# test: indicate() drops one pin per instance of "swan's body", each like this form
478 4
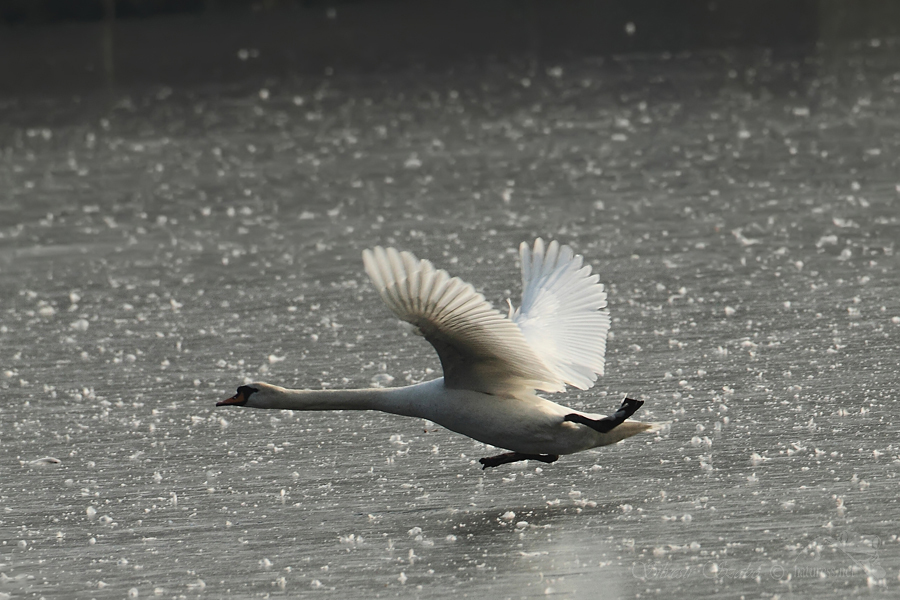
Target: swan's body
492 364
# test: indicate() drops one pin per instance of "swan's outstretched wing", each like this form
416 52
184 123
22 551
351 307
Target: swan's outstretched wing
479 348
563 314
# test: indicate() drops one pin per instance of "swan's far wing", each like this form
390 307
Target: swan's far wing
563 314
479 348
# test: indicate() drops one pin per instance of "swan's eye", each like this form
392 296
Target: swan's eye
245 391
240 399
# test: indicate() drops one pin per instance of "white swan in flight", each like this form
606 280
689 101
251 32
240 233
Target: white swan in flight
493 364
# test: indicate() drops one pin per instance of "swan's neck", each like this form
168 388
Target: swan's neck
398 401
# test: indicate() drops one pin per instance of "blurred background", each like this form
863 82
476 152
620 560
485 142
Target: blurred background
84 44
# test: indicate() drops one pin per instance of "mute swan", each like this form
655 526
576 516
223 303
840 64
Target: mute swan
493 364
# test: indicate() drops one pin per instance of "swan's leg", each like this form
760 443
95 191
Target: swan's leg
509 457
607 424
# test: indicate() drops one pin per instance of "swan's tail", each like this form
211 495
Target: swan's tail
628 429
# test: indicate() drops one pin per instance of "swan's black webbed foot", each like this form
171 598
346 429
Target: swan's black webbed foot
607 424
510 457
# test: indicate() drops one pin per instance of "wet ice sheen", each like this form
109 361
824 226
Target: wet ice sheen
184 242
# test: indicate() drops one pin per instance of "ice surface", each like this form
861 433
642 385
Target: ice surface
160 252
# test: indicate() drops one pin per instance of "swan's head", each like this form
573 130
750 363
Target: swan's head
254 395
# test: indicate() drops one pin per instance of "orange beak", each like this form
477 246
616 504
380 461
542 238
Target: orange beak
237 400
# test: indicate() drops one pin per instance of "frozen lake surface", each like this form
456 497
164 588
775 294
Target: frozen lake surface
161 248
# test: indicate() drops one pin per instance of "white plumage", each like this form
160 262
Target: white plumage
492 363
563 313
479 348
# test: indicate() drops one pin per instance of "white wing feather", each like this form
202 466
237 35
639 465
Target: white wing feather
563 314
479 348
